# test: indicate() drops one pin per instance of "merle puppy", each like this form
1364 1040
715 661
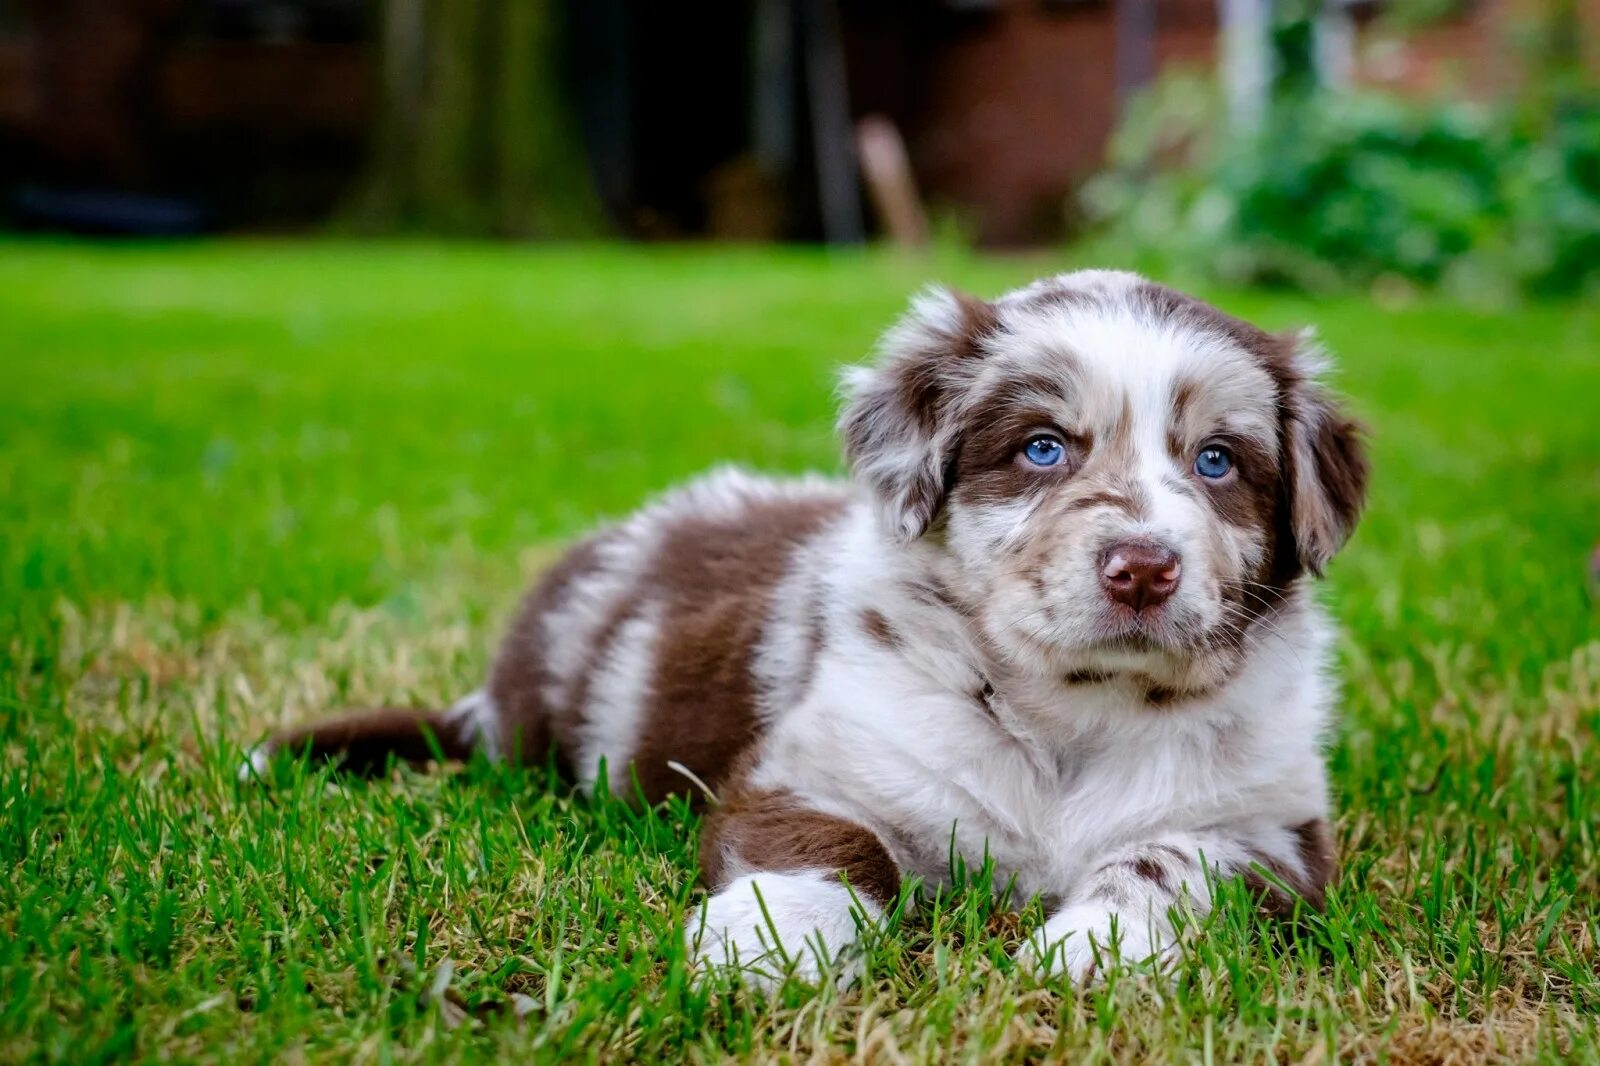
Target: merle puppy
1061 615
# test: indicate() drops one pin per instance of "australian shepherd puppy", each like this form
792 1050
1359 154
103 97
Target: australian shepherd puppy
1060 616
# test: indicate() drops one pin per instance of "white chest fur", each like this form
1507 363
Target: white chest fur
1042 783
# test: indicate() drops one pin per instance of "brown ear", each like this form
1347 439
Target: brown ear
899 437
1325 465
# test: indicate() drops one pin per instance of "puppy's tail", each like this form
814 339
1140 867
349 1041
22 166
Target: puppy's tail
368 742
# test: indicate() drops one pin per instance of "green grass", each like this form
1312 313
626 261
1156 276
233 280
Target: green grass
242 485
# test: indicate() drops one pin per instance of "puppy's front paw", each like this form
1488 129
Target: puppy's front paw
768 924
1080 941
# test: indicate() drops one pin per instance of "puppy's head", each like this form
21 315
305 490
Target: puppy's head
1122 480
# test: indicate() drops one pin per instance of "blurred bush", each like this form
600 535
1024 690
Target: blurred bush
1339 189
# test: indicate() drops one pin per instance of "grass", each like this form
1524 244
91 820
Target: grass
241 485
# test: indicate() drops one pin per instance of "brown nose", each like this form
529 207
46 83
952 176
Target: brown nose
1140 574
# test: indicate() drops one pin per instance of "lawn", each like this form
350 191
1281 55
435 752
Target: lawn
245 484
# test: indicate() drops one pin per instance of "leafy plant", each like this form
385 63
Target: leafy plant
1341 189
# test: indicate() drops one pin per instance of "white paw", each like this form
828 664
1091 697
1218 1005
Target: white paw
807 926
1081 941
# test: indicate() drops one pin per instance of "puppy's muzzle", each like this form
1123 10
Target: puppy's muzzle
1140 574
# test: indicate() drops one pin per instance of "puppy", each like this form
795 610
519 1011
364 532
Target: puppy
1060 616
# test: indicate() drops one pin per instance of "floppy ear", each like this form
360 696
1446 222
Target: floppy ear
899 436
1325 462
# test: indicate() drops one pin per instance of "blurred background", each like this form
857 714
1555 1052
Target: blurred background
1390 143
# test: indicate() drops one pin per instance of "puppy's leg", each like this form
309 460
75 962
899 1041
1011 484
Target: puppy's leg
1123 909
790 886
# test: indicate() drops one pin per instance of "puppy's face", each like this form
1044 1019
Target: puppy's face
1125 481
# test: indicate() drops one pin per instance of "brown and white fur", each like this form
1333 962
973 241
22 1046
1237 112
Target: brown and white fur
934 654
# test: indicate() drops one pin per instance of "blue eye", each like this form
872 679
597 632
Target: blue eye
1044 451
1213 463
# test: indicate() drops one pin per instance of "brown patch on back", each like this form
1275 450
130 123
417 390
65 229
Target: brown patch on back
531 727
714 578
768 830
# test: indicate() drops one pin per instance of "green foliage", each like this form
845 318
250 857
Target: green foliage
243 484
1292 50
1340 189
